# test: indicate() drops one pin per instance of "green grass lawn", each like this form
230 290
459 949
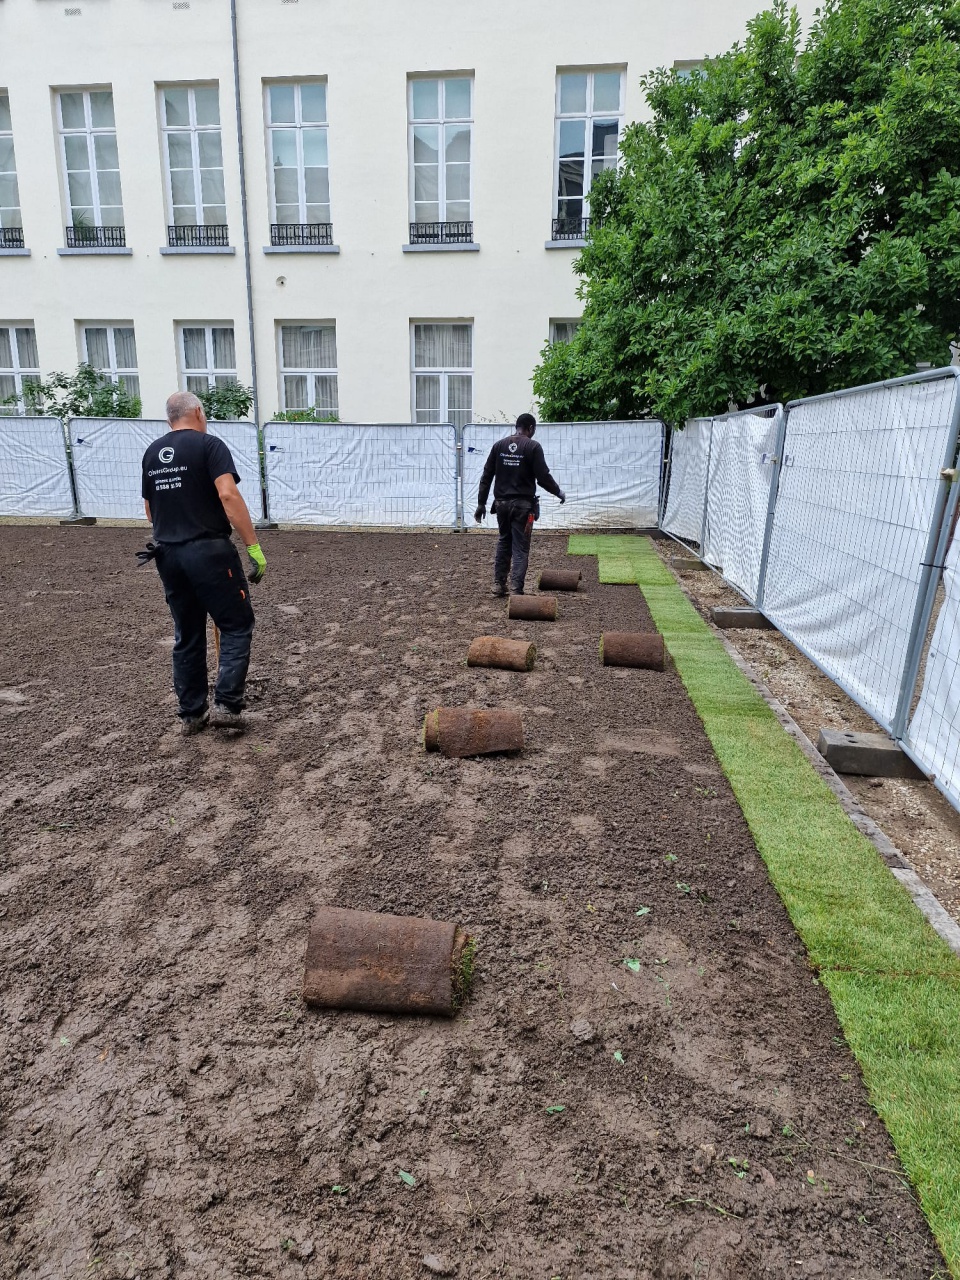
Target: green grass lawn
895 984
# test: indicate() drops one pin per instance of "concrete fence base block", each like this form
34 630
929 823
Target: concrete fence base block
80 520
872 755
688 564
740 617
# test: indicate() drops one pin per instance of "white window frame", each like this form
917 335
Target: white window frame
576 321
90 132
11 215
211 373
18 371
444 373
588 116
114 372
193 129
441 123
298 125
309 374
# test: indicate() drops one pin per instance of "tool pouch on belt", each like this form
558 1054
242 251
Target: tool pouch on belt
536 507
493 507
144 557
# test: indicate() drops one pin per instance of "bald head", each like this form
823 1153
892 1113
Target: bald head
184 411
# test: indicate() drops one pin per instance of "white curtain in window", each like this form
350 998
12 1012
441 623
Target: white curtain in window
309 346
6 351
98 350
126 347
325 392
224 349
194 350
27 348
443 346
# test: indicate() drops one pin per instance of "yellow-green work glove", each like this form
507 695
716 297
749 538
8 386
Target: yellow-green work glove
258 561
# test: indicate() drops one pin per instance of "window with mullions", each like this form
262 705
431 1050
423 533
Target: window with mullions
208 357
91 166
11 232
308 367
19 365
589 116
297 138
441 113
563 330
112 350
193 158
443 373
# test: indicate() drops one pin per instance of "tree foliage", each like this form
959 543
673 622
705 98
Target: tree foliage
788 221
227 402
84 394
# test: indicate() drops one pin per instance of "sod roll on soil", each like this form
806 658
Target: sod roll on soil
463 731
392 964
632 649
559 580
511 655
532 608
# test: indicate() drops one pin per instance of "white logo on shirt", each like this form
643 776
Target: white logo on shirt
166 454
513 447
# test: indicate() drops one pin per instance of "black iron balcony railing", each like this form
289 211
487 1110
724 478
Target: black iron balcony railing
570 228
11 237
441 233
289 233
96 237
210 237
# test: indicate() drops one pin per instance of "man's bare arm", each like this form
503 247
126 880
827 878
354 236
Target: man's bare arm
146 507
236 508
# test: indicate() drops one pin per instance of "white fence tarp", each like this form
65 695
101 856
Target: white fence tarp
609 471
34 474
742 462
934 731
856 501
689 451
107 453
391 476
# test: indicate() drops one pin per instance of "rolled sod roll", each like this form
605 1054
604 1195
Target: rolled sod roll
532 608
632 649
463 731
491 651
393 964
559 580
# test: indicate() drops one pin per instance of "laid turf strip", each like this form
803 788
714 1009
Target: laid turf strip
895 984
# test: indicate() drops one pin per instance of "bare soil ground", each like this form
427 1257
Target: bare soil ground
169 1108
912 812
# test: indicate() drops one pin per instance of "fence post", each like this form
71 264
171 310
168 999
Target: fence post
706 494
666 462
777 465
458 478
77 517
940 529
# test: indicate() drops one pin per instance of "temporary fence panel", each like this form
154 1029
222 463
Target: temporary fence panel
858 496
609 471
386 475
933 735
107 455
34 472
742 464
683 513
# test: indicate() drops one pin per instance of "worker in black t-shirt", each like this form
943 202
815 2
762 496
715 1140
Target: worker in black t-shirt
515 466
191 497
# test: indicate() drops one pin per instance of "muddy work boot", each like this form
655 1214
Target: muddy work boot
500 589
190 725
221 718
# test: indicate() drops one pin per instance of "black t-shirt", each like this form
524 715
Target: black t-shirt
179 471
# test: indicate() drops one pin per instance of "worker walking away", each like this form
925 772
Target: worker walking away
191 497
515 466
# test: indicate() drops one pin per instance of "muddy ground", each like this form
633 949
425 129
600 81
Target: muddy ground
169 1108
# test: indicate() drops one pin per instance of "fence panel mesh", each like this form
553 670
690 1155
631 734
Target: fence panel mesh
687 483
386 475
857 499
933 734
107 453
609 471
742 464
34 472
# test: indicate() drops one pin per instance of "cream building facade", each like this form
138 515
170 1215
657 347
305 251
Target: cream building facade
414 147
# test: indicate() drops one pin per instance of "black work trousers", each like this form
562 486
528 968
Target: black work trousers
204 577
513 546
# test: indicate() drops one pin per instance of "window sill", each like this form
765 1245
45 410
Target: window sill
564 244
14 253
301 248
472 247
170 251
94 251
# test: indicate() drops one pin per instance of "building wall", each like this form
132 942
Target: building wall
510 289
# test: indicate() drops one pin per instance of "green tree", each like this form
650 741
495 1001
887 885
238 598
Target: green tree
84 394
787 222
224 403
